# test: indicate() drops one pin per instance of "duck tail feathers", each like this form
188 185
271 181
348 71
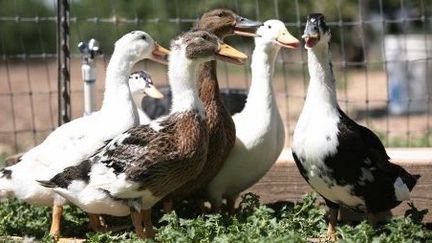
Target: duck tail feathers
47 184
411 180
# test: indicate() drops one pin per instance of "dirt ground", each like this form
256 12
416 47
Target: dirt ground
28 99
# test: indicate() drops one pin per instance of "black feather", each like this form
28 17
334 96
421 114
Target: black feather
69 174
47 184
5 173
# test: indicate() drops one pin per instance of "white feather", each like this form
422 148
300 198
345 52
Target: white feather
401 190
315 135
113 193
75 141
259 127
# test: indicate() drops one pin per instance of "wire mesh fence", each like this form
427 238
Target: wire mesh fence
381 54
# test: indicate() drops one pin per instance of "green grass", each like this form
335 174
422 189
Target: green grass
253 222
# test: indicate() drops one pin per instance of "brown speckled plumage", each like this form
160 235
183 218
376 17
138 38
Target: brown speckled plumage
159 161
221 128
150 161
220 22
172 156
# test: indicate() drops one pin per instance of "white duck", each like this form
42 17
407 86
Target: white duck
144 164
75 141
259 127
141 84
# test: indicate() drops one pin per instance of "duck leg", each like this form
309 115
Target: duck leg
97 223
167 204
372 218
231 204
333 216
201 205
331 229
56 221
137 223
215 206
148 224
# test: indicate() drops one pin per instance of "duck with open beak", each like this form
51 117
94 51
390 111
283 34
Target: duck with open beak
245 27
315 30
285 39
222 23
229 54
159 54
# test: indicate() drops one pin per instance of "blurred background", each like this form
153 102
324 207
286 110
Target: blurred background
381 50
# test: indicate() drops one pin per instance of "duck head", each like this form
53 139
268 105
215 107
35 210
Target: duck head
139 45
274 33
141 82
224 22
316 31
201 46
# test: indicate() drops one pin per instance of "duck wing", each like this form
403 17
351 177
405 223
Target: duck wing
362 141
69 143
363 147
160 160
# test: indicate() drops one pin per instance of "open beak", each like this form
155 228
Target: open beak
311 35
229 54
285 39
159 54
246 27
311 39
153 92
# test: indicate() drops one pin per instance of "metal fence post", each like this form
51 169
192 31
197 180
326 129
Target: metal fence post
63 62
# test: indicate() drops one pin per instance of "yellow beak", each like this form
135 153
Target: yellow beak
230 54
153 92
159 54
285 39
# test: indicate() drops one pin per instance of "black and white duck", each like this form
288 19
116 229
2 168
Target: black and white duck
344 162
141 85
144 164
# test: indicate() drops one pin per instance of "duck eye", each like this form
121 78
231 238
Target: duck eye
269 26
205 37
220 14
144 37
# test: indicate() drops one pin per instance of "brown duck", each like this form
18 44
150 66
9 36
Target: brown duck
144 164
221 129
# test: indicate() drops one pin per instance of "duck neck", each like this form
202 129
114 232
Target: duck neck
321 89
117 94
182 79
261 90
137 98
208 83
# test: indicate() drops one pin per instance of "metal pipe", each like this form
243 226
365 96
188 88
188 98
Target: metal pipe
89 50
